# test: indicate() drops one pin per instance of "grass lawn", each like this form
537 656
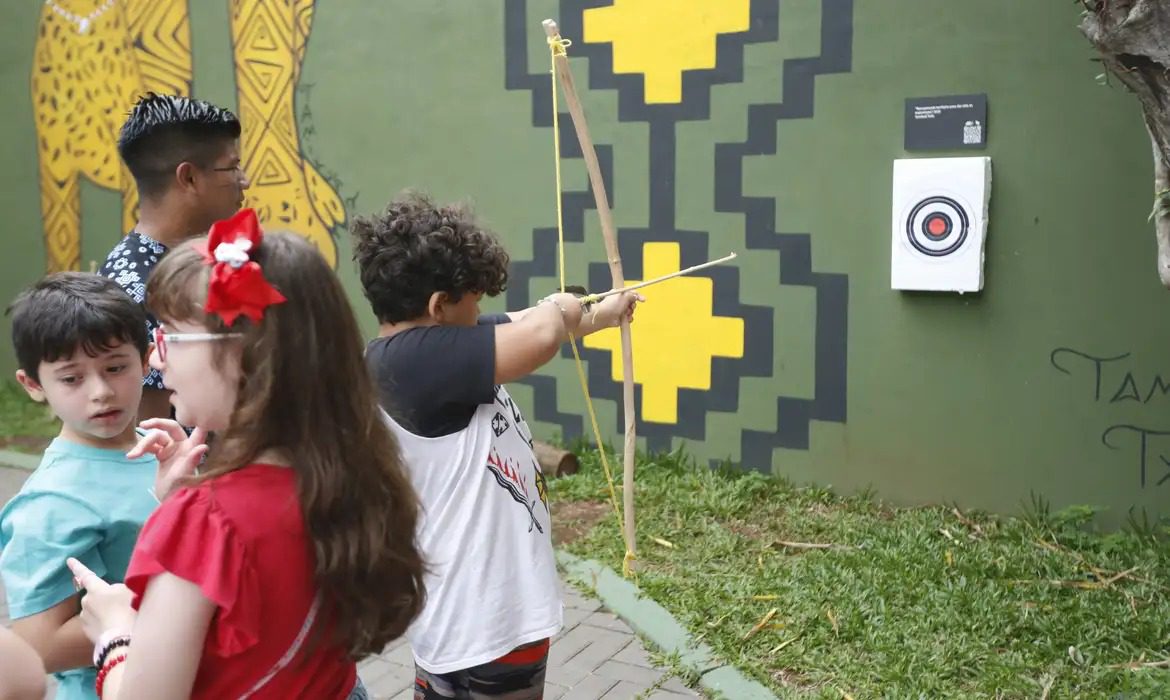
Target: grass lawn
25 426
819 596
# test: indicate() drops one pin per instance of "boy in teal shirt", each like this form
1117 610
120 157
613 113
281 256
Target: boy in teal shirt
81 346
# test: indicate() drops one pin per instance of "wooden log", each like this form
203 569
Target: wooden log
554 461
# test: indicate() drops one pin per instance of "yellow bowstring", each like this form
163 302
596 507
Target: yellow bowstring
557 47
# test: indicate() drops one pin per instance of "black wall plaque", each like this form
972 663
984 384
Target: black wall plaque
949 122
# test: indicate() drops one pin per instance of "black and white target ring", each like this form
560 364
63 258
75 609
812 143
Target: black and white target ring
937 226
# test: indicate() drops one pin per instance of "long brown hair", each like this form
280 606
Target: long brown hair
305 391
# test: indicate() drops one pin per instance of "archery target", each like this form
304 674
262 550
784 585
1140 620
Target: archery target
938 232
937 225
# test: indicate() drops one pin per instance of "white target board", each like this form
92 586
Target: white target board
939 223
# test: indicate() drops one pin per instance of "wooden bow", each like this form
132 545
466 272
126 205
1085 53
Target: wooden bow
565 77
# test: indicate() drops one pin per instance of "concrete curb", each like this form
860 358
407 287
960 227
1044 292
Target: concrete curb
652 622
19 460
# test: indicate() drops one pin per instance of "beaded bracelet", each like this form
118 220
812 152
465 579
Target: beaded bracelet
122 641
102 674
104 641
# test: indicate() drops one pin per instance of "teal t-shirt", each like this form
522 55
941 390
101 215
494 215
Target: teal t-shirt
81 502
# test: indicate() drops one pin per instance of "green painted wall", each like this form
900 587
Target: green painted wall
925 397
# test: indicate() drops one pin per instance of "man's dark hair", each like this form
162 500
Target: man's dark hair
415 248
65 310
163 131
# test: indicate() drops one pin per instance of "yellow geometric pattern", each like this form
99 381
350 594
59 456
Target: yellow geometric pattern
84 81
674 337
662 38
287 191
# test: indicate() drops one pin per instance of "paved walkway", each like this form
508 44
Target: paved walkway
596 656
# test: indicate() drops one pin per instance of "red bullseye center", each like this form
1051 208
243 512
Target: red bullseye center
936 225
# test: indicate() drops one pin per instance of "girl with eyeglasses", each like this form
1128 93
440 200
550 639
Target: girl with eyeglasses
292 553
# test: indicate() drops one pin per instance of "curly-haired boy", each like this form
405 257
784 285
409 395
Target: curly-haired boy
492 594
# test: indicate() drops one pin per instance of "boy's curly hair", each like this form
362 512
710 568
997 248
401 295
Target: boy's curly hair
416 248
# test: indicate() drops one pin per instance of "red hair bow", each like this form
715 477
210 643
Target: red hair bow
237 285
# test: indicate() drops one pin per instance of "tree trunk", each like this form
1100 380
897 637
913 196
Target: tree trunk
1133 38
1161 215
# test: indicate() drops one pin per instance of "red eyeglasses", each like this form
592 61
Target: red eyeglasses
162 338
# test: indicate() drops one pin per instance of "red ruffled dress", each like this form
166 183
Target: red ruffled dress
241 538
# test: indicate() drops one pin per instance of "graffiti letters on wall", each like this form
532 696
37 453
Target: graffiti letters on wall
89 69
1112 380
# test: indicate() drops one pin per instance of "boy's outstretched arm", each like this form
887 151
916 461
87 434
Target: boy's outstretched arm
56 635
608 313
536 333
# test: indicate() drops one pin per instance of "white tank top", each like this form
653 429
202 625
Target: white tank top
486 535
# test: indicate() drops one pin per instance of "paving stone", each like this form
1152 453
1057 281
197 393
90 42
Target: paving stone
592 688
673 685
573 617
374 668
625 690
400 656
573 599
392 682
368 662
568 674
634 654
628 672
603 644
569 645
607 620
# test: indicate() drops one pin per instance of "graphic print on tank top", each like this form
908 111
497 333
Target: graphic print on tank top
510 430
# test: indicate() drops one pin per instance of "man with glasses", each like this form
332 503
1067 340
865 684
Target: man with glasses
184 155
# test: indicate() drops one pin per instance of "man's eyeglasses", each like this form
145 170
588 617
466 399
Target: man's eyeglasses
237 169
162 339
